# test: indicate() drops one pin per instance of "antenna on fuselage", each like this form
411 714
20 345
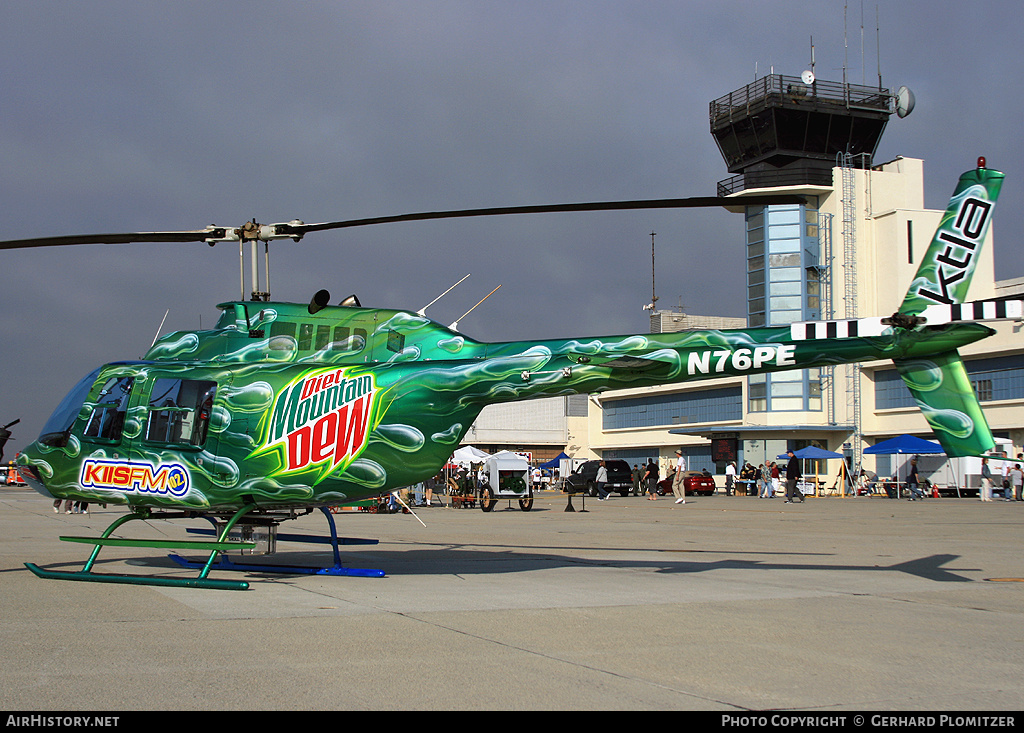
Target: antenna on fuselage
161 327
423 311
455 325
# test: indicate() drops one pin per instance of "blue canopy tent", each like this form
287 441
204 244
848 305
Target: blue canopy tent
813 452
904 444
556 461
555 464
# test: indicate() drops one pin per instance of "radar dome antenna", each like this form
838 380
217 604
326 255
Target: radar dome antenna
904 102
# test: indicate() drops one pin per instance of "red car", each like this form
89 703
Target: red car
694 482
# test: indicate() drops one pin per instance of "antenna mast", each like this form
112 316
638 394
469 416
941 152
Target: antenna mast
878 48
654 297
863 66
846 53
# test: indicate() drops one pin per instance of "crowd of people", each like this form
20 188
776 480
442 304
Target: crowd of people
1012 480
765 480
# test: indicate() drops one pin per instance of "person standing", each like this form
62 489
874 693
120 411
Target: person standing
913 483
1017 481
776 480
600 481
678 484
637 481
792 476
730 477
651 477
762 481
986 481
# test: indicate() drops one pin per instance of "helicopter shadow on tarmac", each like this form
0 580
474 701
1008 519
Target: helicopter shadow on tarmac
475 559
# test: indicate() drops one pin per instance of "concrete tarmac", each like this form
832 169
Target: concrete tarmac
720 604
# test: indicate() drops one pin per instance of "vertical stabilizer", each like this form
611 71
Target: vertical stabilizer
946 270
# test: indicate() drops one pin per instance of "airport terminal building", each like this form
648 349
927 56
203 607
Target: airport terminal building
850 250
797 270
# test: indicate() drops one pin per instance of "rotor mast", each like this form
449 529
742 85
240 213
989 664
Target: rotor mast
252 232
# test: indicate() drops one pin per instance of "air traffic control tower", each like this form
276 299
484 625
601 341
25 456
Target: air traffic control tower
789 134
799 135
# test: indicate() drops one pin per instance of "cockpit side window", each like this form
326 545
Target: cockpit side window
109 407
179 411
58 427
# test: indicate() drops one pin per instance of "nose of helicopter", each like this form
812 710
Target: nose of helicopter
34 469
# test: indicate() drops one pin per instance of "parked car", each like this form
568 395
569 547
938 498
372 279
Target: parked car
620 478
694 482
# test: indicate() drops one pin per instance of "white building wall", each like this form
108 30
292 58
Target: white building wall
540 421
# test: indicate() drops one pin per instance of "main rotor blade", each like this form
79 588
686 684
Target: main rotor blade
295 230
682 203
125 238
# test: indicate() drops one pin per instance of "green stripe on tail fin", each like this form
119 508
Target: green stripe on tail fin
946 398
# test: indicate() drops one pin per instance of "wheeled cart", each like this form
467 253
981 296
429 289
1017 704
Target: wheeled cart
507 477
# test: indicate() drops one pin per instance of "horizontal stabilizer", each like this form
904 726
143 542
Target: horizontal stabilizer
978 310
934 315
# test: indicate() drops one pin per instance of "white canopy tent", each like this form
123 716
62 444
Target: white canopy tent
467 454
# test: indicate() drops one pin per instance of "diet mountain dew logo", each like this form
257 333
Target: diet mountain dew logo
322 421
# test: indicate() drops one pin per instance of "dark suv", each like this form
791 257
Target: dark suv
620 478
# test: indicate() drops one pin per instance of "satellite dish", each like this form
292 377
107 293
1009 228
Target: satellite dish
904 102
807 77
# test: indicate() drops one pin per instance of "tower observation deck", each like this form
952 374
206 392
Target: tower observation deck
786 131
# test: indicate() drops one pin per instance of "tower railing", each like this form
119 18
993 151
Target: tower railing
777 89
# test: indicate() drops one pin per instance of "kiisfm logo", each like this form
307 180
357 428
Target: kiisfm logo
135 477
322 421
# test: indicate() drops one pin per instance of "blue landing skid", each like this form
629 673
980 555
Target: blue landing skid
225 563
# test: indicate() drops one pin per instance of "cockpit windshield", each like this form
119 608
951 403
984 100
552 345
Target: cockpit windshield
58 427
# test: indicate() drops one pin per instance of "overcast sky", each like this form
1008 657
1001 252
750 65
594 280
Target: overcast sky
143 116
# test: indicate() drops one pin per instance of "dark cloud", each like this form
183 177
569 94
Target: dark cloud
138 116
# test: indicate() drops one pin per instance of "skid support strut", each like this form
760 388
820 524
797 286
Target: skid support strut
226 563
215 547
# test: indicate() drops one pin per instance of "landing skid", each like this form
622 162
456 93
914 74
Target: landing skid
226 563
215 547
88 576
105 540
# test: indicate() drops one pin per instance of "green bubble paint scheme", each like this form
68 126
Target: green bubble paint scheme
284 407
